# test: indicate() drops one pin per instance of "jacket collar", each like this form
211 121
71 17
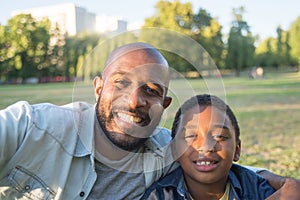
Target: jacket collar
86 122
176 180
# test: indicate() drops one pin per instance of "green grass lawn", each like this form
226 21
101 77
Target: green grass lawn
268 111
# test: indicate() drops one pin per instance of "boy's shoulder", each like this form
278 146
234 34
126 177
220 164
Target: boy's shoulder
247 183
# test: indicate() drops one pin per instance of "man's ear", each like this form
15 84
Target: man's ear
167 102
98 84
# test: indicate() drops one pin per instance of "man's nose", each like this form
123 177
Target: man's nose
137 99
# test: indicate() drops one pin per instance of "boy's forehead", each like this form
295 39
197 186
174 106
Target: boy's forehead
204 115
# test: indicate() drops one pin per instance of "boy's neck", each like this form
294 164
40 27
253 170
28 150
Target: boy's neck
212 191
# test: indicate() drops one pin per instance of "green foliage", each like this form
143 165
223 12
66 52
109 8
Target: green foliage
275 52
240 44
172 15
25 46
294 35
201 27
76 49
34 48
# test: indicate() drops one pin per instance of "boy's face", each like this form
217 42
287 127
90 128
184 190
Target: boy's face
208 146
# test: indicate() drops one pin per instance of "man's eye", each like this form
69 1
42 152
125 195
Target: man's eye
152 91
122 82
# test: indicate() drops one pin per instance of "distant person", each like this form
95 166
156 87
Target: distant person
256 72
110 150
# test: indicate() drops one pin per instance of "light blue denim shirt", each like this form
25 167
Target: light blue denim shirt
46 151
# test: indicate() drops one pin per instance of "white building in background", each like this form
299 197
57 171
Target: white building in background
108 24
73 19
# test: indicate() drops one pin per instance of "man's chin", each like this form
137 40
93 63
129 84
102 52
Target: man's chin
125 141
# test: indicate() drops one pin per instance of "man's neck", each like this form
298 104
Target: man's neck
105 147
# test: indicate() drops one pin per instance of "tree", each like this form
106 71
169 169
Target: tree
3 53
174 15
283 48
208 32
201 27
294 38
76 49
26 45
266 52
240 43
275 52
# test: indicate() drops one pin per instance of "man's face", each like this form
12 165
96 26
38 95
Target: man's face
132 98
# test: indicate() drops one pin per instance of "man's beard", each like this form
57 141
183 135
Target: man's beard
123 141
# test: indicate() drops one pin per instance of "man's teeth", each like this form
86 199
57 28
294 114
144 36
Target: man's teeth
129 118
205 163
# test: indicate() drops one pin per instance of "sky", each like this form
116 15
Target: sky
263 16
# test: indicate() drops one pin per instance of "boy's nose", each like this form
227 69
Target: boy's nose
207 146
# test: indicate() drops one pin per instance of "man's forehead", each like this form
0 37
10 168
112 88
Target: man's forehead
148 73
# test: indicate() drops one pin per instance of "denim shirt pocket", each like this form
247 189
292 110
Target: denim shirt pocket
23 184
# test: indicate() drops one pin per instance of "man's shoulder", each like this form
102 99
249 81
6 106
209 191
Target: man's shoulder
50 117
161 137
242 172
60 110
75 106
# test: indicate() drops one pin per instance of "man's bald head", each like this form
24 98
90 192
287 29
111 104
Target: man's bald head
148 50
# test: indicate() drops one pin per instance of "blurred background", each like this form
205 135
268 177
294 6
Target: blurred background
46 41
250 56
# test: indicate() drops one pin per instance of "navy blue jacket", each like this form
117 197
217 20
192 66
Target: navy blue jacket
244 185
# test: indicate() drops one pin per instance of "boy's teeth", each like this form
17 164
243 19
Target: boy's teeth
204 163
129 118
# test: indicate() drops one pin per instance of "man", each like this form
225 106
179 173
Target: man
112 150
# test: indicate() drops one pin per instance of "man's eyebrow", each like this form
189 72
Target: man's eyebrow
159 86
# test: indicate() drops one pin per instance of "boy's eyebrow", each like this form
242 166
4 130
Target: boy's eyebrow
191 126
223 126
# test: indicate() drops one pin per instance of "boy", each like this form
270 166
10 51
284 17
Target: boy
206 142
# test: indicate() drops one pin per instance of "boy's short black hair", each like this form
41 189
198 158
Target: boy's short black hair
203 101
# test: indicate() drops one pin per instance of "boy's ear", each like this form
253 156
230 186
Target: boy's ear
237 151
98 84
174 150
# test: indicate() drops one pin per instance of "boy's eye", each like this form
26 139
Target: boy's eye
220 137
190 137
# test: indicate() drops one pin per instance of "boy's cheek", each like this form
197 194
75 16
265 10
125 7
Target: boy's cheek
180 148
